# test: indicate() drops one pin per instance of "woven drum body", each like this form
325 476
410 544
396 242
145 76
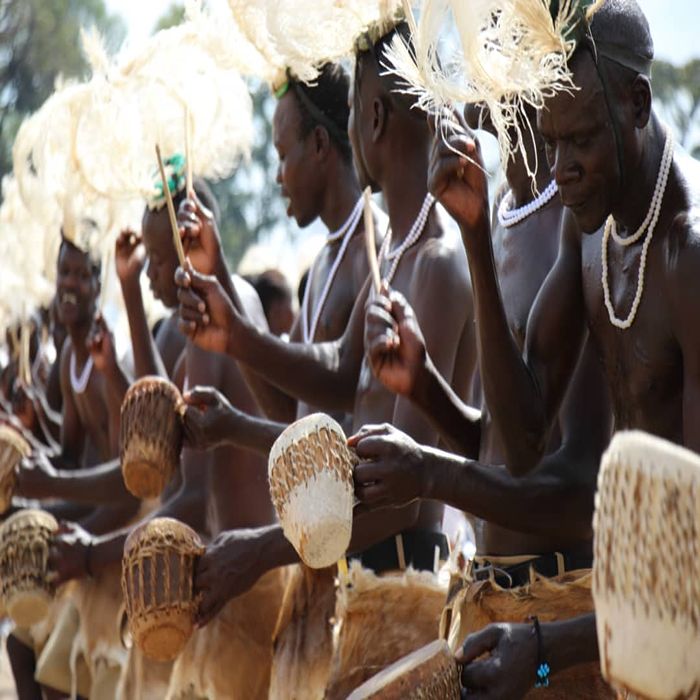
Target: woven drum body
24 552
157 573
429 673
13 447
310 474
150 437
646 573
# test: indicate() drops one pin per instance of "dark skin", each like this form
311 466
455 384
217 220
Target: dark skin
394 146
651 368
331 196
553 508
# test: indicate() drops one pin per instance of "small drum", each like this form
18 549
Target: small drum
646 570
429 673
310 473
157 573
150 436
13 447
24 552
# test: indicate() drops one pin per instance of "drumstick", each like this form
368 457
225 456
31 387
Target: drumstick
171 210
369 241
25 370
188 153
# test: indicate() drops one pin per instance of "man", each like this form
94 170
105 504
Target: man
391 144
316 174
611 158
276 297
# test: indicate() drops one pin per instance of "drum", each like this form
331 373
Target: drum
429 673
24 551
646 570
310 473
13 447
150 437
157 572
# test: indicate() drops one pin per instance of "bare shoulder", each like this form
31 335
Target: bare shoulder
251 302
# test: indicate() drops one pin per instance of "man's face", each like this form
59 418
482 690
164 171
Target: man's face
581 149
298 172
162 256
77 286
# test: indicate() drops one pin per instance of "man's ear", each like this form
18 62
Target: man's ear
641 100
322 141
380 114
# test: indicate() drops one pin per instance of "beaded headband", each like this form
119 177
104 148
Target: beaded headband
175 172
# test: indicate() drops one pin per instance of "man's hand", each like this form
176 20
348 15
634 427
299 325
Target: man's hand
394 342
200 236
227 569
129 257
208 419
391 471
69 553
34 477
207 315
100 343
509 670
456 175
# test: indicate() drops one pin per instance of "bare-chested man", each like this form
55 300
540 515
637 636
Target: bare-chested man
609 154
391 146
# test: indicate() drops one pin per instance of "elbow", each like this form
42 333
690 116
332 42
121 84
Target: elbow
524 461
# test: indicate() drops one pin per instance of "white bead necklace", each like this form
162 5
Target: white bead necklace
648 225
509 217
345 232
413 235
79 384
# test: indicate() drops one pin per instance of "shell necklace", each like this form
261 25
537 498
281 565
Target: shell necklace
509 217
413 235
79 383
345 232
648 226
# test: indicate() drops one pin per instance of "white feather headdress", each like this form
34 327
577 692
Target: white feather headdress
511 54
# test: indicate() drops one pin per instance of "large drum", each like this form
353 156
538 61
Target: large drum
157 581
150 438
13 447
646 571
430 673
310 473
24 552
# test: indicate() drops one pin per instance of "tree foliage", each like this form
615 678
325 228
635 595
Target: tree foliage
677 88
39 41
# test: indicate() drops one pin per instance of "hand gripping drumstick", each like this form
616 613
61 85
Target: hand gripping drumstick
171 210
369 241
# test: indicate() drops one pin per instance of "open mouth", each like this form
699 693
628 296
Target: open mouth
69 298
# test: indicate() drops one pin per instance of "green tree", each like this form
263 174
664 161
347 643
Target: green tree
678 90
39 41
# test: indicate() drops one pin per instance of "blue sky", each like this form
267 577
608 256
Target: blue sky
674 23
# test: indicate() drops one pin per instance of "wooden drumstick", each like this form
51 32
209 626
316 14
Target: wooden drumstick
25 370
171 210
370 241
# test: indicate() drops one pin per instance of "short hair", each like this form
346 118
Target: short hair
271 286
325 103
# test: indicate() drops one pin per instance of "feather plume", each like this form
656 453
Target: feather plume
512 54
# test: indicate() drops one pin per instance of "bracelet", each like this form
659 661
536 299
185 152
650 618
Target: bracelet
543 668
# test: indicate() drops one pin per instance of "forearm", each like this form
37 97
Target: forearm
570 642
512 395
250 432
273 402
538 504
108 518
98 485
117 386
457 423
147 359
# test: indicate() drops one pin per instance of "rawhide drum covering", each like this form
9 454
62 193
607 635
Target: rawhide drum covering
310 472
13 447
157 572
646 571
429 673
150 436
24 553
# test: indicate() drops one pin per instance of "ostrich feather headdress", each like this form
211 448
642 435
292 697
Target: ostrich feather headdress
511 54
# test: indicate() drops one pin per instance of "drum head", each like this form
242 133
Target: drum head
164 641
28 607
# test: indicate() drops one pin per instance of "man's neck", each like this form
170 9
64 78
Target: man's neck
78 337
405 187
639 180
340 197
